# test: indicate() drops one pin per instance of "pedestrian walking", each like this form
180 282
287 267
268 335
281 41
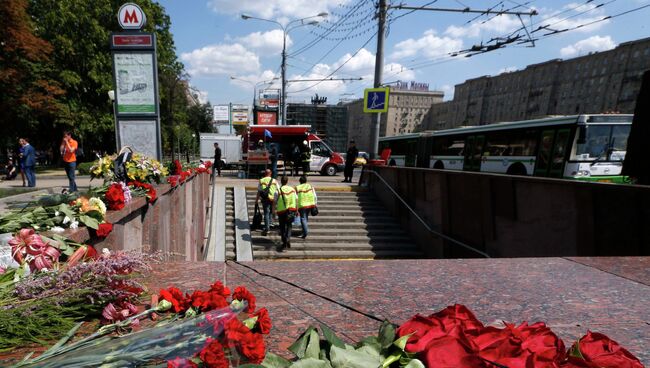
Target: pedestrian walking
286 209
350 158
305 156
68 150
306 203
29 153
217 159
295 159
21 160
267 191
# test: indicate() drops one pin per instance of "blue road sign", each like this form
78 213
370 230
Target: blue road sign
375 100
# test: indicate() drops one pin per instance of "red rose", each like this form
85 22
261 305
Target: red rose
104 229
601 351
459 315
181 363
115 197
212 355
263 323
220 289
208 301
423 330
241 293
452 352
175 296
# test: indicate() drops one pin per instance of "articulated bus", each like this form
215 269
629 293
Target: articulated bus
583 147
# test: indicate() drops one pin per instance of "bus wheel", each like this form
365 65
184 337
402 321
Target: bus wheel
439 165
517 169
329 170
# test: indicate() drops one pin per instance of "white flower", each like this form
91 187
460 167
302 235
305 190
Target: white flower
66 220
57 229
74 224
106 252
36 227
56 213
98 203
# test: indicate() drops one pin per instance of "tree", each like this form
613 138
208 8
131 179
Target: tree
28 93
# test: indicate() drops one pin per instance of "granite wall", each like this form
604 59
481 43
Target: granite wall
513 216
174 224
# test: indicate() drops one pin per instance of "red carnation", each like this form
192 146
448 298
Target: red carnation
251 346
177 167
235 331
263 323
115 197
104 229
175 296
241 293
220 289
173 180
213 356
208 301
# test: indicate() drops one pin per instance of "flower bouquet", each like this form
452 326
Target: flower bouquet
201 329
140 168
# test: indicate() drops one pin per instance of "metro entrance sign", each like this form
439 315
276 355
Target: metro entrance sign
375 100
135 80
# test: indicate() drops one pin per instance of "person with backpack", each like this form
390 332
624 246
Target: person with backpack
69 153
267 191
286 209
306 203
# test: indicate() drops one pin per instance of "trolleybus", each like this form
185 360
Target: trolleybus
585 147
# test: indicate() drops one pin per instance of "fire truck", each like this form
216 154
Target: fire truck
261 139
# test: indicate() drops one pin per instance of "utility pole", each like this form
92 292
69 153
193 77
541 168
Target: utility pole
283 101
379 68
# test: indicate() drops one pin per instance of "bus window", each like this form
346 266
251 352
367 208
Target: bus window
497 145
447 146
596 143
523 143
559 153
544 155
619 142
473 153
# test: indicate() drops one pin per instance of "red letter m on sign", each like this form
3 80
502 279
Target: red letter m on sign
130 18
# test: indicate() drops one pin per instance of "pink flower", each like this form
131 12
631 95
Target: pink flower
119 311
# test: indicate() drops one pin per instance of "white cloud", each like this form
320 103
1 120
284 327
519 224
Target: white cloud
591 44
449 92
275 8
221 59
497 24
589 13
429 45
202 96
266 43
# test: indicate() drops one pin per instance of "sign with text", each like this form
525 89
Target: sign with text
375 100
267 118
134 74
239 114
221 113
140 135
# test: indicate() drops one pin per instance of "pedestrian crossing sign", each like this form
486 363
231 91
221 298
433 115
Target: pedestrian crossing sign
375 99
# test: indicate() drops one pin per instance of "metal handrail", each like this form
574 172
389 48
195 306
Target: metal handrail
437 233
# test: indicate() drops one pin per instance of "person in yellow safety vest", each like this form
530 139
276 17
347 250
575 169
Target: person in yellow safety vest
286 208
267 191
306 201
305 155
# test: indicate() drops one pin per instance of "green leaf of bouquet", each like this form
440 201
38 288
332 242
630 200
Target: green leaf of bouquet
371 349
275 361
342 358
89 222
251 366
401 342
415 363
313 346
391 359
64 209
386 334
250 322
96 215
331 337
311 363
575 351
300 345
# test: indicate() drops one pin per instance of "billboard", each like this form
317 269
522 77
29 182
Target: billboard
270 98
134 77
267 118
239 114
221 113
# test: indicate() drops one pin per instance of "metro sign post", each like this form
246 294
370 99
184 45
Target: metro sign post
135 77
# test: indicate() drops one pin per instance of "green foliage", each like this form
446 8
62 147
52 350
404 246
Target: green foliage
84 168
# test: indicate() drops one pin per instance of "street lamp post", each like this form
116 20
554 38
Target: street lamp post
286 29
254 85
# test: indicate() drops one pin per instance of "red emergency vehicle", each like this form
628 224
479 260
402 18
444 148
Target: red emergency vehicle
284 137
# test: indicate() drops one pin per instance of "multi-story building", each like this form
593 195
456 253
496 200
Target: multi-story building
329 122
407 110
599 82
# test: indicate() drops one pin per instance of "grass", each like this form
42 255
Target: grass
6 192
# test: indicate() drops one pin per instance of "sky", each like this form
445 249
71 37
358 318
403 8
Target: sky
215 44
